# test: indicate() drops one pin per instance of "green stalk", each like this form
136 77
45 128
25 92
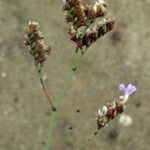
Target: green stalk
87 141
52 124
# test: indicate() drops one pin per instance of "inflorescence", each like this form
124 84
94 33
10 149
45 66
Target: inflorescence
39 51
110 111
84 16
34 42
81 17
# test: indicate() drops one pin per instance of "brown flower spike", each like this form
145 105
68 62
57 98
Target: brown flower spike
34 42
110 111
39 51
93 34
80 16
74 12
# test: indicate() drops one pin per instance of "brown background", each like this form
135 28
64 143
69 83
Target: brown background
122 56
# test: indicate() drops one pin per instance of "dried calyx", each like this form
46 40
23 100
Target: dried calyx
108 112
79 15
93 34
74 12
34 42
96 11
84 16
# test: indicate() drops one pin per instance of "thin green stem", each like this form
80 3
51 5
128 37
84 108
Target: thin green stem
75 64
87 141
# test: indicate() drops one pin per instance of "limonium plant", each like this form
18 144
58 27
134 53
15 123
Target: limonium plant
39 51
83 34
110 111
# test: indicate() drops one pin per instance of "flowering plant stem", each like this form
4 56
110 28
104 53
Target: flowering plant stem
52 124
87 141
45 89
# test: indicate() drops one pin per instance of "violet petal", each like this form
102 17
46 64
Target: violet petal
122 88
131 90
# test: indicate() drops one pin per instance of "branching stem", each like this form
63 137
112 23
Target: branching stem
52 124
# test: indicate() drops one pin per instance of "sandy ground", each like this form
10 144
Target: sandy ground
122 56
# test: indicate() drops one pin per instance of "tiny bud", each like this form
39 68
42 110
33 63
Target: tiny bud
104 110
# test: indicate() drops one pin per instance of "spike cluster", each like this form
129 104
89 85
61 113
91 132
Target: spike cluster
34 42
110 111
74 12
93 34
80 16
96 11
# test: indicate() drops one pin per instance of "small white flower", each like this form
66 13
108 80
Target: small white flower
94 29
100 113
124 97
64 1
33 22
88 31
95 7
104 110
101 1
73 30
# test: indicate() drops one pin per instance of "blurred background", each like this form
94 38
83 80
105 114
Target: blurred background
121 56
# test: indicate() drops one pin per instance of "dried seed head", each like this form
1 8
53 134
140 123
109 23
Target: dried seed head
91 35
90 13
100 10
110 111
34 42
85 16
104 110
74 12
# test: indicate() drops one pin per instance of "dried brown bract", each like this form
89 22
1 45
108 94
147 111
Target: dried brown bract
113 110
90 13
34 42
74 12
92 35
94 12
80 16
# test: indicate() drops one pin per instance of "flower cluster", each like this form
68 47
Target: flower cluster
34 42
93 34
74 12
80 16
96 11
110 111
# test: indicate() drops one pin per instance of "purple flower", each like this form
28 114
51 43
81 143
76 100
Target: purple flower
127 90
